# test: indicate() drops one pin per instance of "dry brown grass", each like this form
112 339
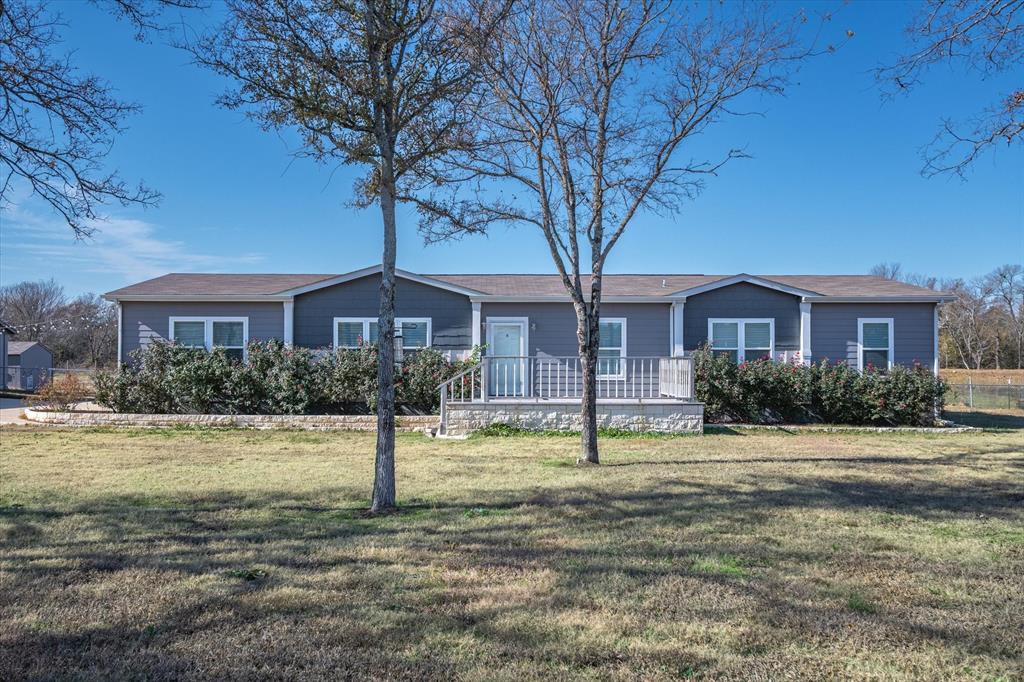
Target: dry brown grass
983 376
241 555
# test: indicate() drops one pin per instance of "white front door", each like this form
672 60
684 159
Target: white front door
506 344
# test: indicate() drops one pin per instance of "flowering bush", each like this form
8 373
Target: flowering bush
422 373
350 378
275 379
766 392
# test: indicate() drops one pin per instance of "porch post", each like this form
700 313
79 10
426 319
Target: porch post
676 330
476 324
120 327
805 332
289 323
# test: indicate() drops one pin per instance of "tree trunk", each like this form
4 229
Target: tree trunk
384 470
588 335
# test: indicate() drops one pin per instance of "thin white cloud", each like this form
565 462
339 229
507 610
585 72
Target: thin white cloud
122 249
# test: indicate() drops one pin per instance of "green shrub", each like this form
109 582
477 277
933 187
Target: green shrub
421 374
350 377
757 392
836 394
765 392
275 379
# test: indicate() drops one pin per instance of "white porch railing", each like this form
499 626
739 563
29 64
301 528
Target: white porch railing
538 378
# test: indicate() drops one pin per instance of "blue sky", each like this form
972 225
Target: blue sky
833 185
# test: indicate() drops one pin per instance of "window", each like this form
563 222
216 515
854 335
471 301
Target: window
742 340
611 348
353 332
229 333
874 343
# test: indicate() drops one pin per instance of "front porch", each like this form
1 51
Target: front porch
544 393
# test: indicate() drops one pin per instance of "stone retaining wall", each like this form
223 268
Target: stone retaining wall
317 422
667 417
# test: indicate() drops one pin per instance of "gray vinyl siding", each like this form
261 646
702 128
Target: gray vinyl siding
451 313
553 326
144 322
743 300
834 331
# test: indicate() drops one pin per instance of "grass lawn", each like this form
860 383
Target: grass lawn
241 555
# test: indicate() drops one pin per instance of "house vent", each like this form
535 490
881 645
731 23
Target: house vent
663 284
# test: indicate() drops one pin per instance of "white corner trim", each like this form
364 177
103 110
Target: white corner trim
935 340
676 329
749 279
805 333
289 322
860 339
120 335
475 342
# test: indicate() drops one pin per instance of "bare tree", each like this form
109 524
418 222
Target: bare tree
887 270
376 83
31 307
589 105
80 332
986 37
83 333
1006 284
147 16
894 271
966 321
56 125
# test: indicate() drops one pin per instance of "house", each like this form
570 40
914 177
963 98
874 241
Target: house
649 325
29 364
5 331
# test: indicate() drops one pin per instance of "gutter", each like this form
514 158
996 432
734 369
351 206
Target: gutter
938 298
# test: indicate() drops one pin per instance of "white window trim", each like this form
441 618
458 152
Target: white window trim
621 374
399 321
208 330
741 340
860 339
365 321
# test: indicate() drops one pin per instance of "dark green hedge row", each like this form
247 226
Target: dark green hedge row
765 392
165 378
169 379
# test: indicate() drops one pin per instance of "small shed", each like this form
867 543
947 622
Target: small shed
29 364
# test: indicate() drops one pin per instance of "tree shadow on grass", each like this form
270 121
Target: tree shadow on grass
282 585
986 420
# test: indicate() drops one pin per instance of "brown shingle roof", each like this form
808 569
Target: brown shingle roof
217 284
19 347
525 285
664 285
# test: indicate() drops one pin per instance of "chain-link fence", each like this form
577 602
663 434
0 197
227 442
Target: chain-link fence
992 396
31 378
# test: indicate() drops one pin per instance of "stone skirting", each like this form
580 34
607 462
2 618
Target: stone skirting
315 422
666 416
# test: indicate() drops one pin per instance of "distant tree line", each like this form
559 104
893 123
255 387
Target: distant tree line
80 331
984 327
